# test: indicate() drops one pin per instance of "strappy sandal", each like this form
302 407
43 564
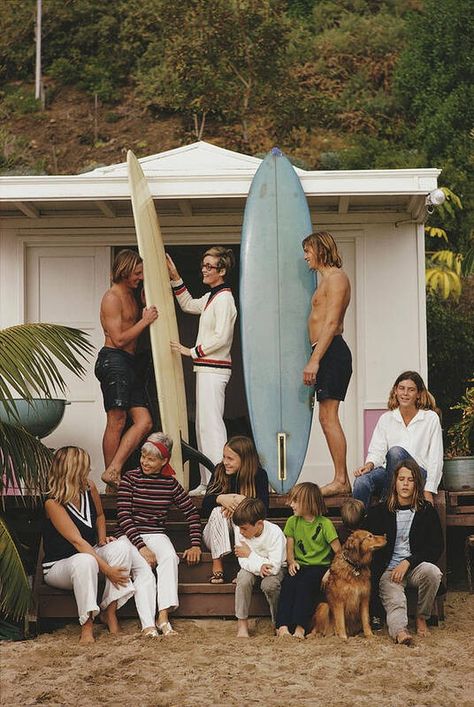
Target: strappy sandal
166 629
216 578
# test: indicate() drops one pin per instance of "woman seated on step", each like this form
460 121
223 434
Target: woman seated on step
239 475
144 497
410 429
414 545
76 547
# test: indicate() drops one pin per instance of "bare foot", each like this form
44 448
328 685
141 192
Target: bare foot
242 628
109 619
404 638
282 632
336 489
150 632
298 632
111 477
422 627
87 633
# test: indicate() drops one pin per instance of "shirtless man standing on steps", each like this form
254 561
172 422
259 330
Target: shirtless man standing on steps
116 366
330 367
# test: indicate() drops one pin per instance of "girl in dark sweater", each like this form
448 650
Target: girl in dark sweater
238 476
414 545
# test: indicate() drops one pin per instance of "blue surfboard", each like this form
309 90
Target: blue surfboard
275 299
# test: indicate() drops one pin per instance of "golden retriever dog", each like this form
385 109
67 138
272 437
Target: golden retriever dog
348 588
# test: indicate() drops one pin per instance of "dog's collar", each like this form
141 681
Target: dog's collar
355 567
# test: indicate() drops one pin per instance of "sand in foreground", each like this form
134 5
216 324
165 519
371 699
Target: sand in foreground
206 664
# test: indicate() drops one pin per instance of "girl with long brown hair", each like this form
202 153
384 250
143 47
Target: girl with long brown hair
411 429
414 545
239 475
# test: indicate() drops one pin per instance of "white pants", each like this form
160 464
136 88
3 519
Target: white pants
151 590
217 533
80 572
211 434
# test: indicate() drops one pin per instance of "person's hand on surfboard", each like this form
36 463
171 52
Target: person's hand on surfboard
173 273
149 314
179 348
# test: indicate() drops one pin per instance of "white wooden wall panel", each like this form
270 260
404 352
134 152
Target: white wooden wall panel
65 286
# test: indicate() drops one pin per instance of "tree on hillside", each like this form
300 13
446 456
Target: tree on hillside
222 58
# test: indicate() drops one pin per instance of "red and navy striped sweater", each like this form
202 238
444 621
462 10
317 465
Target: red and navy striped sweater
143 503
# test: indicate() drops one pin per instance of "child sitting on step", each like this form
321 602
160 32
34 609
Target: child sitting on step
260 549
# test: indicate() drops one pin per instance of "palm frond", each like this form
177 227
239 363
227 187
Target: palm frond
24 461
15 592
29 355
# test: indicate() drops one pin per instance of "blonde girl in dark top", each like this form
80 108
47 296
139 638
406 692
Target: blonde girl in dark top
76 546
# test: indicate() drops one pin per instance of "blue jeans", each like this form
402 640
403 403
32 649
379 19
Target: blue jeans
378 480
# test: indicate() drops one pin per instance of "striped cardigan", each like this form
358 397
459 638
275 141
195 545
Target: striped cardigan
216 325
143 503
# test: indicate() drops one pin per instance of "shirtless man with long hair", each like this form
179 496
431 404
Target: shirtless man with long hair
330 366
116 365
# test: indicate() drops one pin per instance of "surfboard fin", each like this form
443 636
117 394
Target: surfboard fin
191 454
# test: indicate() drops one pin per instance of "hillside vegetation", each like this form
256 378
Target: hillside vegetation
337 84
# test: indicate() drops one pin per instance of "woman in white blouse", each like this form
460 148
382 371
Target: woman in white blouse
211 351
410 429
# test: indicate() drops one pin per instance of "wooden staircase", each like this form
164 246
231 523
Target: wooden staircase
197 597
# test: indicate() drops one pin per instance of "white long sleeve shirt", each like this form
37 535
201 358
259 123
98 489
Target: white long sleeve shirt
216 325
269 548
422 439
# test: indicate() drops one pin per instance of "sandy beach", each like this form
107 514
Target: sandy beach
205 664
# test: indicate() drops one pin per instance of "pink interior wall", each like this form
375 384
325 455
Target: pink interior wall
370 420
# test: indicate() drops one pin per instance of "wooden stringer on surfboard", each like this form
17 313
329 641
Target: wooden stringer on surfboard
167 365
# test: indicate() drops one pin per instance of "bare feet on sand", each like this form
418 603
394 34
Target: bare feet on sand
404 638
282 632
298 632
422 627
109 618
335 488
242 628
87 633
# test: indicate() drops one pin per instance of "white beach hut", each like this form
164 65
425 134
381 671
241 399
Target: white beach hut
58 235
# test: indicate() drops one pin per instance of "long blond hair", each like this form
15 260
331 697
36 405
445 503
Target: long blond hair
249 463
324 247
424 401
68 474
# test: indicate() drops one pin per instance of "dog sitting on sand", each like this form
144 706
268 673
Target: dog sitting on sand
346 610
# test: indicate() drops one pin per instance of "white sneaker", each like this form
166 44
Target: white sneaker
199 490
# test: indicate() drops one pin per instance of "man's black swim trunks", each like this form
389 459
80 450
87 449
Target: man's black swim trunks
335 370
121 384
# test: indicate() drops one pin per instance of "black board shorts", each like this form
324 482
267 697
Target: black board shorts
121 384
335 370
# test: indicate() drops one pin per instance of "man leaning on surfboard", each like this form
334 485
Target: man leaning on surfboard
329 368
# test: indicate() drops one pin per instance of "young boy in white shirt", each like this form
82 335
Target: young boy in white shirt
260 547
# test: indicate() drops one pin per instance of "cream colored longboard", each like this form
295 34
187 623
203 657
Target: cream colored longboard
168 365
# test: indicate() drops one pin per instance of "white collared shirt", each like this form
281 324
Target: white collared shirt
422 439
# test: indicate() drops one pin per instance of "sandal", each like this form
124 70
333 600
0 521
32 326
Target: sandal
166 629
150 633
216 578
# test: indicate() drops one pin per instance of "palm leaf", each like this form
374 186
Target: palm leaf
29 355
15 593
24 461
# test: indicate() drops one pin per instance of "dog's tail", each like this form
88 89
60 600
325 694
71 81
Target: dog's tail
321 623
